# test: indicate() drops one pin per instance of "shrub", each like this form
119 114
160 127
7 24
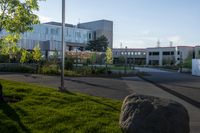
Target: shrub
69 62
17 68
49 69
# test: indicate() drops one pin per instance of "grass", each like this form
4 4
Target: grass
45 110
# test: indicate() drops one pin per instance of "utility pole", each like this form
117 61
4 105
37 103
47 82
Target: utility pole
126 55
62 88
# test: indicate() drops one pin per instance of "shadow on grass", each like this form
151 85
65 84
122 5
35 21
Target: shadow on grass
109 106
11 113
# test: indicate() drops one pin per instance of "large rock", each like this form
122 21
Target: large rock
147 114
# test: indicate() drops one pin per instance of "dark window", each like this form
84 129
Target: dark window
199 52
155 53
178 58
178 52
150 53
172 53
90 36
166 53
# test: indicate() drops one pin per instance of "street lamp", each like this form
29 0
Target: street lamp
126 55
62 88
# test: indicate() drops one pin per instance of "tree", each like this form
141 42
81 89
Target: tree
37 55
98 45
24 56
109 56
18 16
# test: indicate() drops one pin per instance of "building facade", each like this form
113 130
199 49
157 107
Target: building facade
160 56
157 56
133 56
100 27
48 35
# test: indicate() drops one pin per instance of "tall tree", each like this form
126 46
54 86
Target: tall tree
98 45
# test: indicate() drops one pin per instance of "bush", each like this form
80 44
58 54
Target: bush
17 68
69 62
4 58
49 69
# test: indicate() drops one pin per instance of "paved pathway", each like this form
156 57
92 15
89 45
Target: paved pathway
103 87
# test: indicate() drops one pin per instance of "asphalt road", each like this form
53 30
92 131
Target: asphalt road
184 84
103 87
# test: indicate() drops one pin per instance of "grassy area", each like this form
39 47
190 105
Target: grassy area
45 110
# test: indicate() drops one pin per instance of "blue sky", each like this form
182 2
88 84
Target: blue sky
137 23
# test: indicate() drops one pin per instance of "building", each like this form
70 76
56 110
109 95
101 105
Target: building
48 35
184 52
160 56
100 27
157 56
197 52
133 56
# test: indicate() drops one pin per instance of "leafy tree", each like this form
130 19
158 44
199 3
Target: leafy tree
109 56
98 45
24 56
37 55
18 16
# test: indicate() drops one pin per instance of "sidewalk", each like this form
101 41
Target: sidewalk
139 86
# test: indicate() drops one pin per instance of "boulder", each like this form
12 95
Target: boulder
148 114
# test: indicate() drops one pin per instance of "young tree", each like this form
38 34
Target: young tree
24 56
37 55
98 45
109 57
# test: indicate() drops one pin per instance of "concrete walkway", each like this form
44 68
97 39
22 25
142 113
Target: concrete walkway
139 86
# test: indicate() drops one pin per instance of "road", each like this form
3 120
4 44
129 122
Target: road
184 84
103 87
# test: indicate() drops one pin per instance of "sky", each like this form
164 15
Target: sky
137 23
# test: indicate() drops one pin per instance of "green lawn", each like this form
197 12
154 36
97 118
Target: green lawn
45 110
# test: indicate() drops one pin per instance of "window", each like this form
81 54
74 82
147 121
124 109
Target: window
199 52
144 53
166 53
172 53
139 53
150 53
90 36
178 52
155 53
122 53
129 53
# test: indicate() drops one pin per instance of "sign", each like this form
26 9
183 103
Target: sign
196 67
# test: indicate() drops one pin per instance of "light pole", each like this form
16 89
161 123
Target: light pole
126 55
62 88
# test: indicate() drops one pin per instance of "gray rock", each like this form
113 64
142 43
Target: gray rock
148 114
